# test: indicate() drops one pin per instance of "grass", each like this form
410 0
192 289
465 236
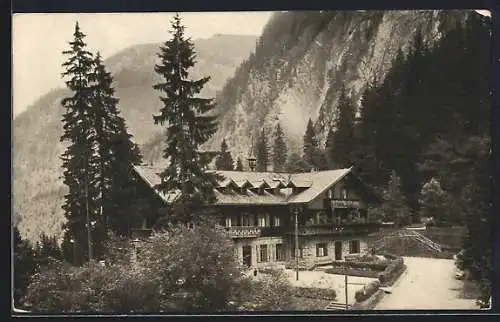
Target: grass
308 304
470 290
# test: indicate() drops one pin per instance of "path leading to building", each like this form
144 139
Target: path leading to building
428 283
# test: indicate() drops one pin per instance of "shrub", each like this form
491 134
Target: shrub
361 265
270 292
183 270
315 293
198 263
60 288
392 272
24 266
302 266
352 272
367 291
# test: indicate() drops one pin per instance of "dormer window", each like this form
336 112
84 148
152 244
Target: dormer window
345 194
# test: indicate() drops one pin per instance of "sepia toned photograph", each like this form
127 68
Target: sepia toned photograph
267 162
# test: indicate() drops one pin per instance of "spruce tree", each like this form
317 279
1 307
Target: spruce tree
329 148
343 137
24 266
239 165
262 152
279 150
477 244
310 143
395 206
297 164
224 161
79 159
189 122
117 153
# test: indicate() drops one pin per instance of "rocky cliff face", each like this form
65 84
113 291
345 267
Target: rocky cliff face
301 62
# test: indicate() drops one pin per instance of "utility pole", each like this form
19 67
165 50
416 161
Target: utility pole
346 297
297 253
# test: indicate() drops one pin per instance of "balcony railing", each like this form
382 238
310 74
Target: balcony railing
243 231
332 229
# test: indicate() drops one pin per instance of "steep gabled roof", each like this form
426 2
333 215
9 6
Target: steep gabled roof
316 183
312 184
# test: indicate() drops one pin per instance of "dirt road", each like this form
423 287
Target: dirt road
427 284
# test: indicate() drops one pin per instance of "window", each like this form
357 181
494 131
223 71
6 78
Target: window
321 250
321 218
235 253
354 247
228 221
263 253
280 253
345 194
276 222
247 220
263 220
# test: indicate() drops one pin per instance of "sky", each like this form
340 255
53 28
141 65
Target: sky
38 40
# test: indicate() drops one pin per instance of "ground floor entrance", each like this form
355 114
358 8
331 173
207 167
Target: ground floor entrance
247 255
338 250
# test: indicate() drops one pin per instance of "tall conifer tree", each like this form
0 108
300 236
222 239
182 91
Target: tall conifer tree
310 143
80 155
24 266
329 148
279 150
224 160
189 122
262 152
343 137
117 152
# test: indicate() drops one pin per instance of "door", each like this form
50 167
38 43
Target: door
247 256
338 250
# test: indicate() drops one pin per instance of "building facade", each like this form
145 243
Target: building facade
258 211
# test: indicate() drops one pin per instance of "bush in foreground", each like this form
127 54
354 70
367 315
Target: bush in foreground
392 271
315 293
269 292
367 291
179 270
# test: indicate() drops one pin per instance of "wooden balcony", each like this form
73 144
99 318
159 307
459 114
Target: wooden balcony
243 231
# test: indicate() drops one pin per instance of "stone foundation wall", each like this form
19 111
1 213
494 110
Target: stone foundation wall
308 248
254 243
